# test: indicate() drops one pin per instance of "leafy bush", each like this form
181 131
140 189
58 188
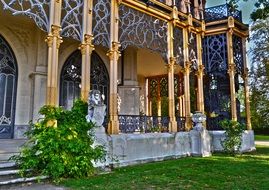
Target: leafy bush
62 150
233 132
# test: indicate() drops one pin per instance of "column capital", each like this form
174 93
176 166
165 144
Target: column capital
55 30
87 43
231 69
245 74
200 70
49 40
114 51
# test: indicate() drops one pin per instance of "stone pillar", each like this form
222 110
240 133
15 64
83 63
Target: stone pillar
186 72
231 72
200 75
245 77
86 48
53 40
114 54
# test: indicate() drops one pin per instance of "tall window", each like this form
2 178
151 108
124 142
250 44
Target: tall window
8 83
71 78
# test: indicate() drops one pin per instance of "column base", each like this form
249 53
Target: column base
173 126
113 127
188 123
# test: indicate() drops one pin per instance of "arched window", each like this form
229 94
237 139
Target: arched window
8 86
71 78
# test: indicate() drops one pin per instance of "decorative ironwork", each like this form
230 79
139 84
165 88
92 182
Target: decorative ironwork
222 12
143 124
8 83
72 12
181 123
38 10
71 78
238 54
101 22
193 51
142 30
164 87
178 46
153 88
216 81
215 54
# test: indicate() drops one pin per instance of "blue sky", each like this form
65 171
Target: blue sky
246 7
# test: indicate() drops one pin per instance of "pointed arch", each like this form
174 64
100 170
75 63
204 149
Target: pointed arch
71 78
8 88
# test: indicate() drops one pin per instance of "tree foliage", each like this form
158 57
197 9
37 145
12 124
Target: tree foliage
260 73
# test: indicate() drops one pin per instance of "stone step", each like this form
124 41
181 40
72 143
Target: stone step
5 165
9 172
6 156
22 180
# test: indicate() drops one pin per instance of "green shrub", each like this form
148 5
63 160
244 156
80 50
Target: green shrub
62 150
233 132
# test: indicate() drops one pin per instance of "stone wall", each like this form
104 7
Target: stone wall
130 149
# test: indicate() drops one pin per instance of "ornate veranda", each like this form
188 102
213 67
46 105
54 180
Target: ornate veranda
203 51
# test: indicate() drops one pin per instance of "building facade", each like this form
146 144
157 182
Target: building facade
156 62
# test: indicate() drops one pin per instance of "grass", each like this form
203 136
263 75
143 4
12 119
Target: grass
262 137
248 171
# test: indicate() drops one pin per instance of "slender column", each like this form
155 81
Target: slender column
171 80
86 48
196 9
186 72
113 54
53 40
200 74
231 72
245 77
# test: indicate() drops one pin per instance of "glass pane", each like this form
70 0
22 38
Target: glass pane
9 96
2 92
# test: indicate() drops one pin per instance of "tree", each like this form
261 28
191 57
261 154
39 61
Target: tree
261 11
260 73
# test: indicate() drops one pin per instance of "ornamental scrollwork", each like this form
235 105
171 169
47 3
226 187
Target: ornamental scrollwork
193 51
142 30
38 10
101 22
72 12
238 54
178 46
215 54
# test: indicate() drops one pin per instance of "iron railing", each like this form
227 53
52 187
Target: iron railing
143 124
213 123
222 12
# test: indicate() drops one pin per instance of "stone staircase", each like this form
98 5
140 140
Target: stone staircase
9 173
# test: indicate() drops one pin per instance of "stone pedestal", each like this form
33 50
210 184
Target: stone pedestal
101 138
200 143
200 138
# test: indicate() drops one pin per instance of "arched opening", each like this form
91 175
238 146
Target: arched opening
71 78
8 89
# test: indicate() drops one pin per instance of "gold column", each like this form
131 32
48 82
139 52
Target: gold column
231 72
171 80
86 48
200 74
245 77
53 40
114 54
186 72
